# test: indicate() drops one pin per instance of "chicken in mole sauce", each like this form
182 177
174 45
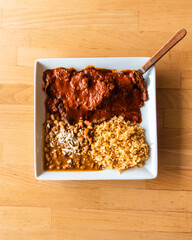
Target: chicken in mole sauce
94 94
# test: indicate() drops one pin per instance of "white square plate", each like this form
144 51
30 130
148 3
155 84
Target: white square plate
149 170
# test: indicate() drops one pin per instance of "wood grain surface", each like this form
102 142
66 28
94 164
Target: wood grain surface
178 36
108 210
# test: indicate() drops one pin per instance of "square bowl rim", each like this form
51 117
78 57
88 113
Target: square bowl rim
43 175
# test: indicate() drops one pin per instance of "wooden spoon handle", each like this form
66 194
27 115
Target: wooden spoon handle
159 54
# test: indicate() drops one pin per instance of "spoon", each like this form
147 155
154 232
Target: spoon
162 51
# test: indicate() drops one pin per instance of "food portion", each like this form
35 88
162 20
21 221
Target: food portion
67 146
94 94
92 119
119 144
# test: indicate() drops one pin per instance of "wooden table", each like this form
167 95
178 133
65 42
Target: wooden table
154 209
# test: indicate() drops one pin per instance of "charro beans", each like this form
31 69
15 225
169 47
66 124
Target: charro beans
55 159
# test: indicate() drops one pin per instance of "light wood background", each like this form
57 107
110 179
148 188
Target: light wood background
108 210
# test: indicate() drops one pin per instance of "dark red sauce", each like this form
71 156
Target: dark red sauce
94 94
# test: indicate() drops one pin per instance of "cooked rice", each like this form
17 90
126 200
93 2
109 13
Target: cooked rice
119 144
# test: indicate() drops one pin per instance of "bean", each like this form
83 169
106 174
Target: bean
51 134
52 166
55 156
88 123
80 123
62 125
90 127
47 139
54 129
82 167
86 149
75 129
58 167
82 162
86 132
80 139
56 122
52 117
47 157
92 165
46 149
46 129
